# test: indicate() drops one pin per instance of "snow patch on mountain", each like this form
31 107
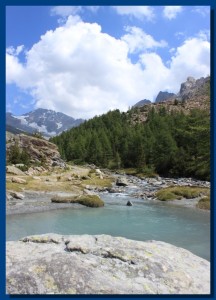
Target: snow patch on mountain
48 122
59 125
22 119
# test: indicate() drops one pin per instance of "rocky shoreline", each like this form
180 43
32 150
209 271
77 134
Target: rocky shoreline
145 188
33 202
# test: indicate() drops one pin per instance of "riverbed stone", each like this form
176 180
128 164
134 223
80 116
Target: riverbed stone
18 180
121 181
102 264
129 203
17 195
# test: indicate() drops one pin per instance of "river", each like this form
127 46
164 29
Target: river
145 220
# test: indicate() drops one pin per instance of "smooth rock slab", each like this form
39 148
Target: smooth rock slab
101 264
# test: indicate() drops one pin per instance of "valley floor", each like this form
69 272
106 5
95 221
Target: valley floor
29 194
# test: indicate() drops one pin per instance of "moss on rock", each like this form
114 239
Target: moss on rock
87 200
204 203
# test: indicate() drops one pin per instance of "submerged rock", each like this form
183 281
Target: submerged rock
102 264
129 203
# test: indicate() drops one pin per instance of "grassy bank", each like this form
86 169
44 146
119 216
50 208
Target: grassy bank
180 192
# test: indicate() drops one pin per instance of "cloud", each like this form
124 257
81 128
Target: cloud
15 52
204 11
192 58
65 11
81 71
204 34
138 40
139 12
14 68
170 12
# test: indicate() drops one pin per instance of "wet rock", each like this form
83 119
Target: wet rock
129 203
102 264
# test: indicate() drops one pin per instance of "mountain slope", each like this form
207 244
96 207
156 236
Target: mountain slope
171 138
193 94
47 122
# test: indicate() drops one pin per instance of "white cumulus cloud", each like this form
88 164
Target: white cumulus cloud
14 70
138 40
170 12
139 12
192 58
81 71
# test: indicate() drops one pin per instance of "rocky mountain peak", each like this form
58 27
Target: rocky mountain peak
47 122
192 86
164 96
142 102
194 94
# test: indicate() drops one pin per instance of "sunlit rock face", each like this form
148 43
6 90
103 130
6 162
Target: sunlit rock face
102 264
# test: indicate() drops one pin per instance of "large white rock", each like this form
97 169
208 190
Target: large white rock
101 264
14 170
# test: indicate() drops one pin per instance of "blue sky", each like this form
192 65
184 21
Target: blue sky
84 61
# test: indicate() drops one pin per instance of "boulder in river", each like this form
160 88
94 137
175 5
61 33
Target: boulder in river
129 203
121 181
102 264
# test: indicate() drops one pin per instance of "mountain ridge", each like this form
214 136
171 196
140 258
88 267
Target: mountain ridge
48 122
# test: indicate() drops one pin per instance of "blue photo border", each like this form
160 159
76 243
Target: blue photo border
3 4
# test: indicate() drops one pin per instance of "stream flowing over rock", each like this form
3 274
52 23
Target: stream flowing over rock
102 264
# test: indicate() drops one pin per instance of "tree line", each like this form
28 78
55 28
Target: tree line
170 144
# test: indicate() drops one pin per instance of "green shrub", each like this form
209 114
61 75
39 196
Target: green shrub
18 155
23 168
147 171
